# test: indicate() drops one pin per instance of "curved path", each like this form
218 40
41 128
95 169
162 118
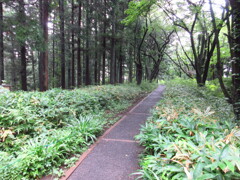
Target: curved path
115 155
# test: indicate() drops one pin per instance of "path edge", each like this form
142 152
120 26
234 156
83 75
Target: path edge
70 171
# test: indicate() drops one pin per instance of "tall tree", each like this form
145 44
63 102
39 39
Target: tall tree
96 62
113 67
62 39
79 63
53 53
87 58
73 46
104 42
1 44
23 71
43 57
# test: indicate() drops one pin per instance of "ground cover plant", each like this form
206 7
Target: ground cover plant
39 132
191 135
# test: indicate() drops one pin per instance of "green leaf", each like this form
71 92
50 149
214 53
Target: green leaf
206 176
198 170
230 165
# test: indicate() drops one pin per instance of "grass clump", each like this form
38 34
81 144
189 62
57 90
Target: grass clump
40 132
191 135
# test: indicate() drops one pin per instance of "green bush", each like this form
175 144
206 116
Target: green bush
191 135
39 132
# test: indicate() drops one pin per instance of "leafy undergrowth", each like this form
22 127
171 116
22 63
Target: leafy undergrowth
39 132
191 135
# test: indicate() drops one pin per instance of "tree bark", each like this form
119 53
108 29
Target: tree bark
33 71
13 65
1 44
87 60
23 71
121 63
130 64
53 54
79 63
43 58
62 39
236 56
96 63
73 46
113 47
104 43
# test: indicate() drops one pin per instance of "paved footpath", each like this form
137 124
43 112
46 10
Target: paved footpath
115 155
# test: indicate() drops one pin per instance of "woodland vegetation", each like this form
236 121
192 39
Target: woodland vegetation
191 135
43 131
61 47
68 43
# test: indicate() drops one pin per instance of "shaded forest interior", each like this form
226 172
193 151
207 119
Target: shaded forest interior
72 43
67 44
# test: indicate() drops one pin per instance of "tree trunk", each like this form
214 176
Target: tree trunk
104 43
33 71
69 62
23 71
79 63
53 54
139 73
155 70
13 64
43 58
236 56
121 62
96 48
113 47
130 65
73 52
1 44
62 39
87 60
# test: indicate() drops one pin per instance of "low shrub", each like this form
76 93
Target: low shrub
191 135
39 132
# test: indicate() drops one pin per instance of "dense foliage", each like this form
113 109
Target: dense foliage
191 135
40 131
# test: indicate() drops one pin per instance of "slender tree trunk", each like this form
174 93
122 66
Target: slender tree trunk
104 44
62 39
13 70
53 54
69 62
113 47
130 68
121 62
96 47
33 71
23 71
43 57
79 63
87 60
73 52
23 68
1 44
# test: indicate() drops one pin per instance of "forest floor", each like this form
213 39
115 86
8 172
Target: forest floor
115 154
